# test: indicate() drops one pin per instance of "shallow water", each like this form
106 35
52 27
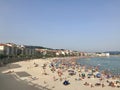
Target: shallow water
111 63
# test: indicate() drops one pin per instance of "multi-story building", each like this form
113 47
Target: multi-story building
26 50
13 49
4 49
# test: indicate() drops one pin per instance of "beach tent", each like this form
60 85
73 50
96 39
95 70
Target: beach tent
66 82
98 75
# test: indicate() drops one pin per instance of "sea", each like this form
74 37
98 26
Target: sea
111 63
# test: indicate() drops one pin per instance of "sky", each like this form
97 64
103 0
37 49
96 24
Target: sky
83 25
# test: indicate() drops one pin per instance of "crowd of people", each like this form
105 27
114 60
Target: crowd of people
72 68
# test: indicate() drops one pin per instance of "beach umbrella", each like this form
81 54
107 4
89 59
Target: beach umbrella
98 75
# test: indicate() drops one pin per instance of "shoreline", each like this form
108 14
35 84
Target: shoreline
99 65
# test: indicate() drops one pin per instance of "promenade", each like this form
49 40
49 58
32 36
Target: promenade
10 82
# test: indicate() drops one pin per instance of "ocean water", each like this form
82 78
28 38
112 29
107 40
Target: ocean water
111 64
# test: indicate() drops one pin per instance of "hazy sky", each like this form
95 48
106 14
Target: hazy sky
86 25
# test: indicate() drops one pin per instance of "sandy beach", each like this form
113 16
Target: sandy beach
59 74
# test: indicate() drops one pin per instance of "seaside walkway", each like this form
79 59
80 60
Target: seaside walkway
8 82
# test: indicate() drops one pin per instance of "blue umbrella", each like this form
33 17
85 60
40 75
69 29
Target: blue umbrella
98 75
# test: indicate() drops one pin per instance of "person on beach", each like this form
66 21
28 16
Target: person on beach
103 85
86 84
59 73
92 86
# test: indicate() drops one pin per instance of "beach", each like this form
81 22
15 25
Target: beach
59 74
